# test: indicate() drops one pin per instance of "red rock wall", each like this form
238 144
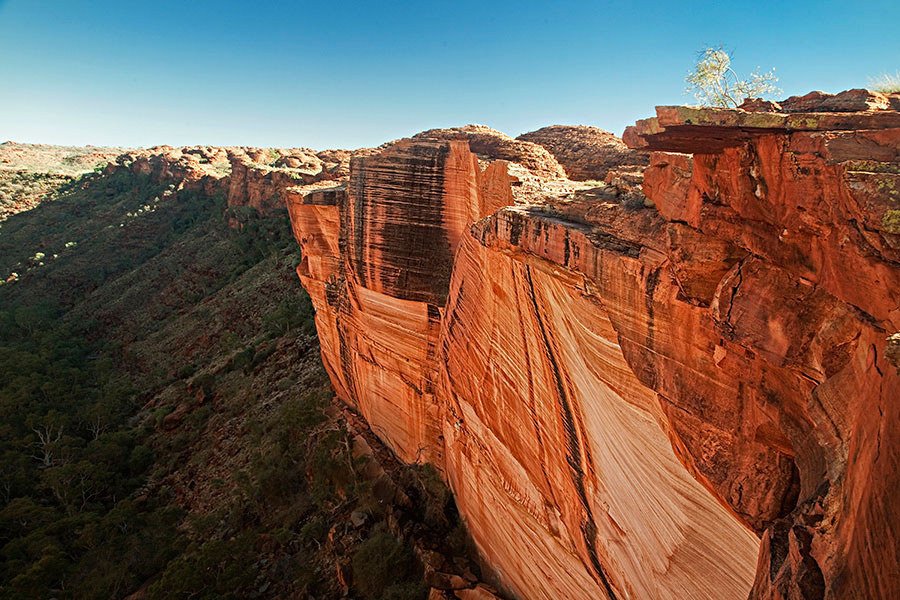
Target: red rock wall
377 261
625 399
803 320
555 450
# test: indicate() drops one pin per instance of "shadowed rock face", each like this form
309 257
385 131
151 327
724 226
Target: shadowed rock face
397 225
812 304
688 396
377 258
258 179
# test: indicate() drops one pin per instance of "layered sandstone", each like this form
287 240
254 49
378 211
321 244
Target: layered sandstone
377 257
684 391
812 305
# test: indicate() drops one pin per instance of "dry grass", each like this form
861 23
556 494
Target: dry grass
886 83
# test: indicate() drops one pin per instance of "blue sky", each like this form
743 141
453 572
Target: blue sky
351 74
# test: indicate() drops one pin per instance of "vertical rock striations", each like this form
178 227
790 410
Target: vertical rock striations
803 320
690 394
377 258
554 448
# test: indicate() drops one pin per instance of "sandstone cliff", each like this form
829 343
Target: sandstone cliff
681 393
260 179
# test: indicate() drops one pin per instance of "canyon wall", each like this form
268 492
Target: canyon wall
252 180
671 386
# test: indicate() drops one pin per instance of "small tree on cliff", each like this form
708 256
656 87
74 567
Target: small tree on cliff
714 83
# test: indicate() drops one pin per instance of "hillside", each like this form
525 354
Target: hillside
30 173
169 431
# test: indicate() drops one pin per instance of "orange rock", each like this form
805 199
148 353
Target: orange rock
479 592
625 399
494 145
810 309
371 336
585 152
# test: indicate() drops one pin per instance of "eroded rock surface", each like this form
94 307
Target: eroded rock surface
260 179
494 145
585 152
811 307
680 387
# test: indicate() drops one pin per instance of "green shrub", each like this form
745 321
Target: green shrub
205 382
291 315
215 569
186 371
891 221
242 360
315 530
714 83
381 562
159 414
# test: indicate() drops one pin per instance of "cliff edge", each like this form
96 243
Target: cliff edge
675 384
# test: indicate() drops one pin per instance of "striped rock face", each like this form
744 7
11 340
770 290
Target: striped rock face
683 396
377 258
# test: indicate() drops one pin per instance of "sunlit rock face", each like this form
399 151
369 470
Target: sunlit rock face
377 257
585 152
683 395
555 449
803 320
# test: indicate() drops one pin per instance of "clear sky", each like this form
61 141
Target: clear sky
350 74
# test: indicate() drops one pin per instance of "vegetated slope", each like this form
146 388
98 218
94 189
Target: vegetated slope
168 428
29 173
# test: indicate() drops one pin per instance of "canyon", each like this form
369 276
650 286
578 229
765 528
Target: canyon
664 368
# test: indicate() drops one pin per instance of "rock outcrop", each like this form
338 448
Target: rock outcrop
494 145
585 152
189 168
682 389
260 179
805 315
